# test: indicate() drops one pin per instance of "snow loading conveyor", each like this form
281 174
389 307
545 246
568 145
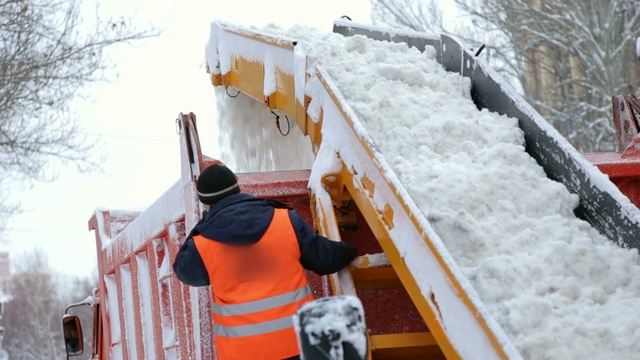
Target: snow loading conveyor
302 77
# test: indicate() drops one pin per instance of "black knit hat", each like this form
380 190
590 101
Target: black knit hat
215 183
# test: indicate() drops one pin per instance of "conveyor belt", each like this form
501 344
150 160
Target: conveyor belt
350 170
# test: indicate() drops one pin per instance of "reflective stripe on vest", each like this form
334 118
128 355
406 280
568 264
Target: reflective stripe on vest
262 304
256 306
253 329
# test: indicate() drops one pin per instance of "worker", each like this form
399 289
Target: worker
252 253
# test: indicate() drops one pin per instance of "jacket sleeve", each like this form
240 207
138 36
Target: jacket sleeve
317 253
188 265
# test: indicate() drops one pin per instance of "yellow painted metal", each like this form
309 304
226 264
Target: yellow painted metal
327 224
381 228
334 185
216 80
284 98
314 129
248 76
420 345
243 75
378 278
381 232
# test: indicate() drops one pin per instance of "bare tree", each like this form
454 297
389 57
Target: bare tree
569 57
33 318
49 53
575 55
417 15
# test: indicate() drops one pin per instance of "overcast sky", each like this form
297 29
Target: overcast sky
136 117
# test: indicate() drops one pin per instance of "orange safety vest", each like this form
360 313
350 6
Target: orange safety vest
256 290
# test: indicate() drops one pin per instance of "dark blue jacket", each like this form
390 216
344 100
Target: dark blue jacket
242 219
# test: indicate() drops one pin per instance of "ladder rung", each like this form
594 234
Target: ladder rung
376 278
420 345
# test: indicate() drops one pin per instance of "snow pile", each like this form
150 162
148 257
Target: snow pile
555 285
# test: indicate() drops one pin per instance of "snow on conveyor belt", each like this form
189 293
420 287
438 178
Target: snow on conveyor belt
555 285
